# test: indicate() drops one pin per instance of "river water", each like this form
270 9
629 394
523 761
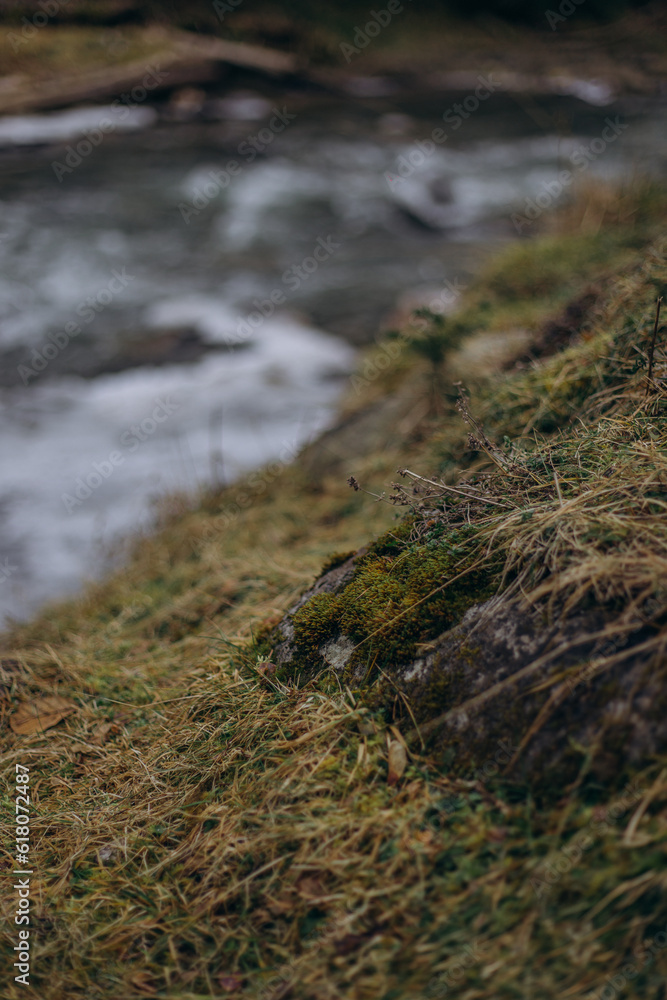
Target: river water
181 299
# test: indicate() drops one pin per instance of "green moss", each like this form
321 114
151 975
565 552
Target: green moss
397 598
315 622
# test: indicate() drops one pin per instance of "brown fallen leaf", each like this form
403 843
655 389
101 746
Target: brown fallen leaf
398 761
265 672
40 714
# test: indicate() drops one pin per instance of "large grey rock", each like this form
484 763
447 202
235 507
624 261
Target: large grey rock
560 694
558 691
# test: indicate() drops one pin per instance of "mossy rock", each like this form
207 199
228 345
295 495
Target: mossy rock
498 687
505 675
373 610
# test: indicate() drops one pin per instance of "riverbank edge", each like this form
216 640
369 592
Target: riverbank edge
49 65
231 807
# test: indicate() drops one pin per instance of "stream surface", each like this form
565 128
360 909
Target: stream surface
169 320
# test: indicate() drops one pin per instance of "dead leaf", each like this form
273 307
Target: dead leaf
42 713
266 671
398 761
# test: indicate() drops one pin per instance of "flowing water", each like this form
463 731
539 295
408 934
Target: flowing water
181 298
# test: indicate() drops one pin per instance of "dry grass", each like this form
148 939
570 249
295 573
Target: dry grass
237 837
201 829
578 513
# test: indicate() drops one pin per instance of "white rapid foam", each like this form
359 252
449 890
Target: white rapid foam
166 425
62 126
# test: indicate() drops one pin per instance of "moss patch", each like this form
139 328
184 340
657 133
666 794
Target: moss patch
400 595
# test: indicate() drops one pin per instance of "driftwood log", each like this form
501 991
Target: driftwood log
183 58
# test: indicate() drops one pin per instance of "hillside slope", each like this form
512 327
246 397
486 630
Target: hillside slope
205 823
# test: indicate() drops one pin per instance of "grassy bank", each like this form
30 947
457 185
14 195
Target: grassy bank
431 47
203 826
